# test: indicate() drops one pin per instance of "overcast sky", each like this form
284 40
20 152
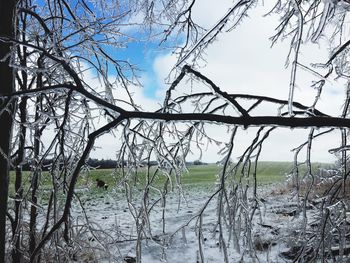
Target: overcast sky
242 61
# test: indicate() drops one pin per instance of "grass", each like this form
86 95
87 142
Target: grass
201 174
267 173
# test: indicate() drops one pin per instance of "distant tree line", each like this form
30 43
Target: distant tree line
48 164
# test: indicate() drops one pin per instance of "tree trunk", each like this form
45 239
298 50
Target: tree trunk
7 14
35 180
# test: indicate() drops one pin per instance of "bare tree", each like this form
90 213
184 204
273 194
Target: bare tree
7 108
58 42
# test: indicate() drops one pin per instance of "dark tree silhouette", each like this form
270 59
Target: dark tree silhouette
7 28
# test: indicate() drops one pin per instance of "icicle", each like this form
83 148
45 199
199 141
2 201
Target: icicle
328 6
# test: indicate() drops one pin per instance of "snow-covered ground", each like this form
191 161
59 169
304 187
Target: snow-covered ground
113 228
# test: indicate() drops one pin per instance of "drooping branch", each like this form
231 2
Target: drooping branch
214 31
91 141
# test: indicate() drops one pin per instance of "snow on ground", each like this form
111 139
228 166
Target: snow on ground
115 229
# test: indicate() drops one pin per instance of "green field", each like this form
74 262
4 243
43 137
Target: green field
267 172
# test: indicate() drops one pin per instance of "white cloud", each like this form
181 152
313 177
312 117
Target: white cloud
243 62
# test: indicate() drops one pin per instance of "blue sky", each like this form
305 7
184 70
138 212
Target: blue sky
140 50
143 56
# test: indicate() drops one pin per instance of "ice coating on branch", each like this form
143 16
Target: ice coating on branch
328 7
210 34
327 13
